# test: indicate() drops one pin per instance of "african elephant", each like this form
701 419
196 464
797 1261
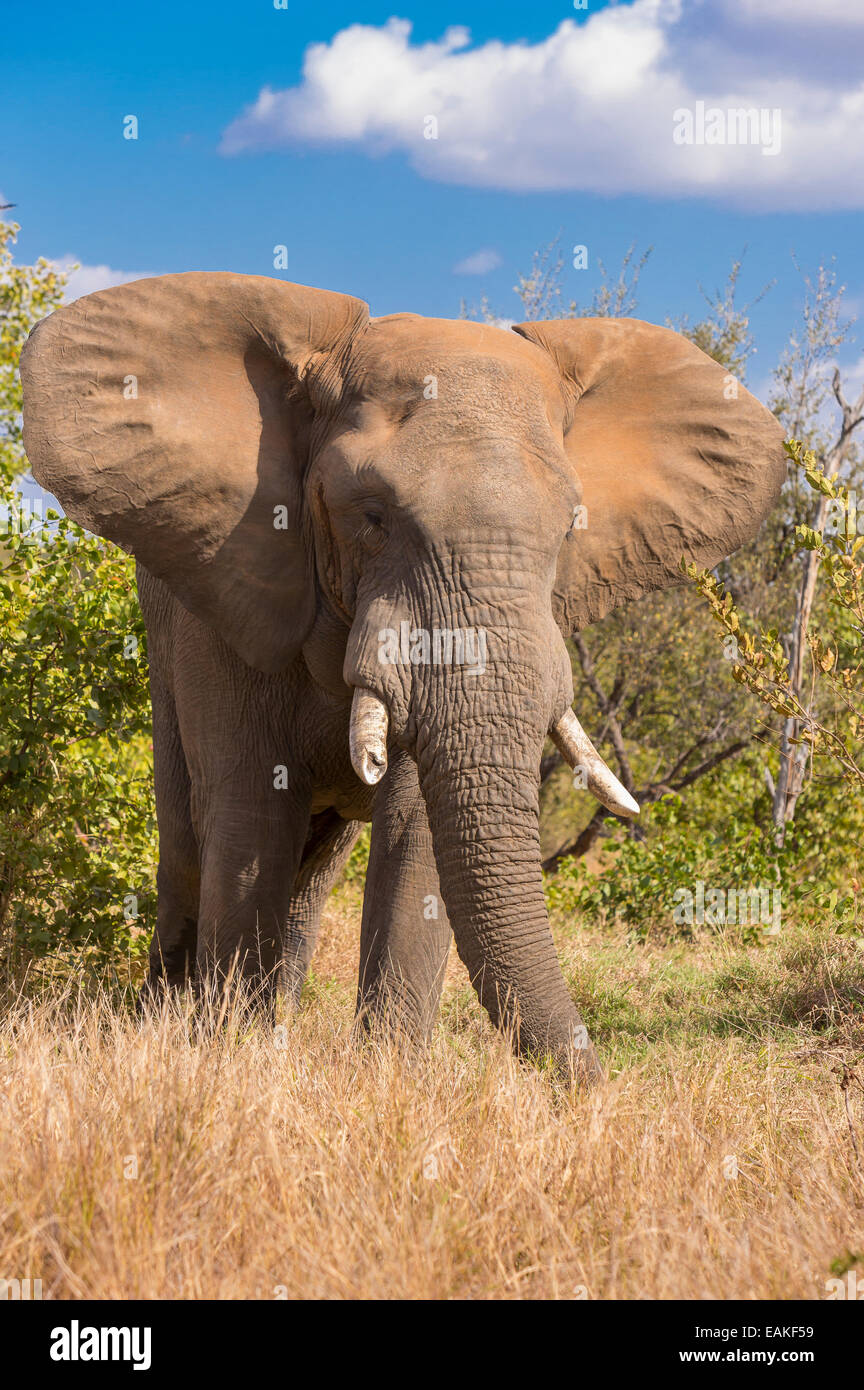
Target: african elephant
361 544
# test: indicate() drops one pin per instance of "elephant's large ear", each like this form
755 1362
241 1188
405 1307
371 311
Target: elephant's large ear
173 416
675 457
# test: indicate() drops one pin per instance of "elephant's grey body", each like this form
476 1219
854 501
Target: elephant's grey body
297 481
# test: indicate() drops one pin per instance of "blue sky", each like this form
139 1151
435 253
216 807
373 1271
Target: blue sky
552 120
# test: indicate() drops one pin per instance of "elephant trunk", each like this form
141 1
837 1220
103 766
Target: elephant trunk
476 729
480 785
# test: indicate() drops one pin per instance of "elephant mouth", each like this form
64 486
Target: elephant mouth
370 722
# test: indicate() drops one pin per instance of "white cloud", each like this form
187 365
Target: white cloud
840 14
590 107
87 279
480 263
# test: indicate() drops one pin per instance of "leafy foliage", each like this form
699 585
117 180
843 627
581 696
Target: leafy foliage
27 294
639 880
77 825
832 719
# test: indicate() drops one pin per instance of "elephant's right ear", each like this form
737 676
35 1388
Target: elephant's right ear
676 460
173 416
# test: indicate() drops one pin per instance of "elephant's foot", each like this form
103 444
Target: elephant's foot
391 1011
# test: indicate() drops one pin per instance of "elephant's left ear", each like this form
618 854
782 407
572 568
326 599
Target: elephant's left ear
174 416
676 460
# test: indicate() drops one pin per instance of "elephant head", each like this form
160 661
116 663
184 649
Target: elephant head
452 499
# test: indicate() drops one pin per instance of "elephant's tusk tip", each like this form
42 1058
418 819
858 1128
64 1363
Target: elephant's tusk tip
370 767
368 736
627 806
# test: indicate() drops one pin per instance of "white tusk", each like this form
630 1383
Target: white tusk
576 748
367 738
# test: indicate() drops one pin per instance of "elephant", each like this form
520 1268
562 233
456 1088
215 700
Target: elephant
361 545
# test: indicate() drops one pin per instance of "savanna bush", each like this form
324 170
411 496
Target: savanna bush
723 841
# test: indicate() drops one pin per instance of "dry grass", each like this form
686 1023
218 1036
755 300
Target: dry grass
330 1169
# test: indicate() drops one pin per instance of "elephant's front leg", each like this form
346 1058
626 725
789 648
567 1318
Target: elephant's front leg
250 806
405 936
248 865
174 943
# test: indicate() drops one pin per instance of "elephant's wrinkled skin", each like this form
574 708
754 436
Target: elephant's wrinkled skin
296 479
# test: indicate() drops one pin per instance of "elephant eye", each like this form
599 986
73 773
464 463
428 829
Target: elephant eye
372 533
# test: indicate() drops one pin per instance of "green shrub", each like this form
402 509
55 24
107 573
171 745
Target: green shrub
644 882
77 823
